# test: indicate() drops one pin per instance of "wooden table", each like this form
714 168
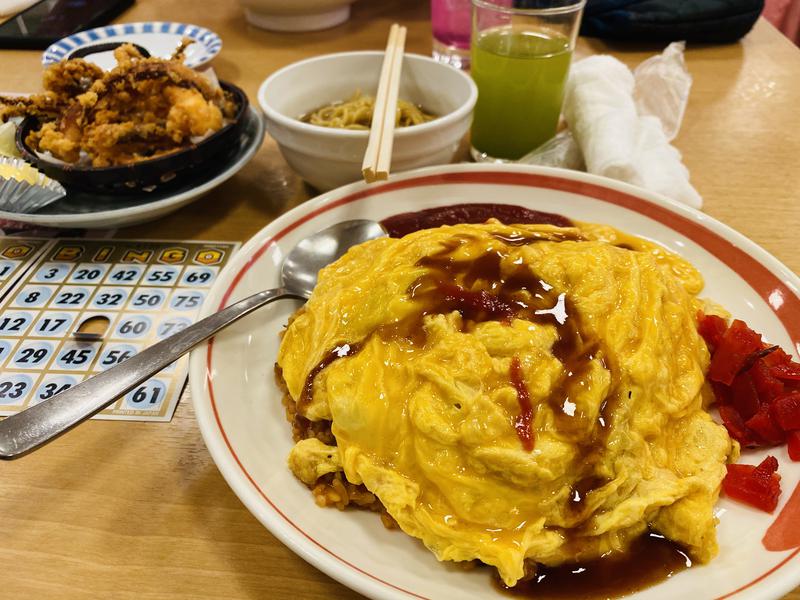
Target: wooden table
139 511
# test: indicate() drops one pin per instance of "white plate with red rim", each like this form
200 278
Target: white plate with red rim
240 415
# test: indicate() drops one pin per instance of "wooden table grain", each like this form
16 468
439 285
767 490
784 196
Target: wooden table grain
139 510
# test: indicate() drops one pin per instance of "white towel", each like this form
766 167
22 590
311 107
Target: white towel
615 139
620 125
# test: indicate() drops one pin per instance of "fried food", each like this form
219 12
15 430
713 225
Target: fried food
519 395
141 109
42 106
71 78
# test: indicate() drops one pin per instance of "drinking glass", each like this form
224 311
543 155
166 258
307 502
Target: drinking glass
520 62
451 24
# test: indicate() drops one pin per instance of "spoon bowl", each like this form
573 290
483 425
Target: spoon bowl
301 265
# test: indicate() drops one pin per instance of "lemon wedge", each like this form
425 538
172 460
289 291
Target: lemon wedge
8 146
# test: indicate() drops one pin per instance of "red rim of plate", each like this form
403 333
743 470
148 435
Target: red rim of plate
765 283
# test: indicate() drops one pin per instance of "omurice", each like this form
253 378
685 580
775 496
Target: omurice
520 395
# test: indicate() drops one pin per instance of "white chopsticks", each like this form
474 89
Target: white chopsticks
378 157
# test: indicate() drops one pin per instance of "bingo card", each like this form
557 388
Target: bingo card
137 292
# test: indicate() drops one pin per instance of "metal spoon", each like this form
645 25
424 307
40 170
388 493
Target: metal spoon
29 429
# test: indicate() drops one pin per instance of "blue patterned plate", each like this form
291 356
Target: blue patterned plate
157 37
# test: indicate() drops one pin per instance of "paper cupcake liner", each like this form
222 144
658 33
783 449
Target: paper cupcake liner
22 196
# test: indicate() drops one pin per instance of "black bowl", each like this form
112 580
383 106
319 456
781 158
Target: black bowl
146 175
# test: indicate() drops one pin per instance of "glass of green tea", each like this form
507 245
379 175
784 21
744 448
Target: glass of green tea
520 62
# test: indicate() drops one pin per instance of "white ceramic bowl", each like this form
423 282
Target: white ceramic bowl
296 15
326 157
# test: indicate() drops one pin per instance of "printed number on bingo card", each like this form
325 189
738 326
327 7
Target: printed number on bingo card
133 326
161 275
33 296
33 355
125 274
5 349
185 300
148 299
110 298
71 297
172 326
88 273
6 267
147 396
198 276
52 273
114 354
52 324
75 356
15 323
14 388
54 384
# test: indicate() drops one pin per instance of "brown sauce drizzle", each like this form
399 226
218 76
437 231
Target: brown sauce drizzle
340 351
578 508
650 559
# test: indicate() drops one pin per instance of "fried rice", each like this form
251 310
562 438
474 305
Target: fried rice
333 489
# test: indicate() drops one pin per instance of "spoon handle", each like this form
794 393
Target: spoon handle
29 429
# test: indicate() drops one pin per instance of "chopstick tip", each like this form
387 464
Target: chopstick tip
372 175
369 174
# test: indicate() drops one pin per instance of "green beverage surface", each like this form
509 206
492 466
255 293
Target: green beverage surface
520 78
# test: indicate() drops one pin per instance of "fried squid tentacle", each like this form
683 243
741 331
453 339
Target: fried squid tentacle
42 106
180 52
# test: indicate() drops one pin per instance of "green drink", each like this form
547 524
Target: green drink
520 77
